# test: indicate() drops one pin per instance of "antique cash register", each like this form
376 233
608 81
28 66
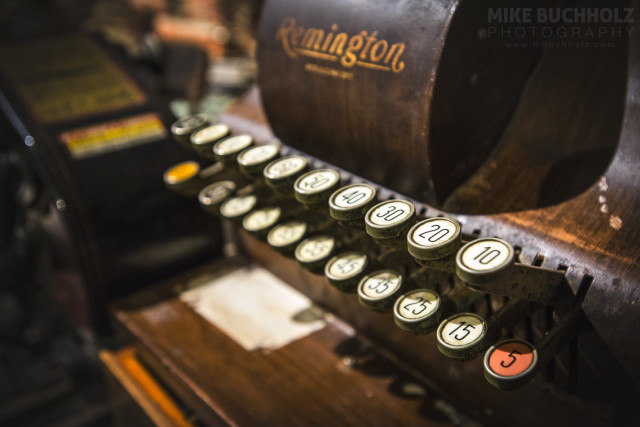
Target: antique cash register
452 191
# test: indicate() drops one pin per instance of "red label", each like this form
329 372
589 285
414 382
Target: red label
511 358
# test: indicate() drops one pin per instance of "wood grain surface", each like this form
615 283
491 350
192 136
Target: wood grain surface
328 377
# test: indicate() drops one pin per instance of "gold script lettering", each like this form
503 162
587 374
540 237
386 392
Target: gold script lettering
283 34
364 49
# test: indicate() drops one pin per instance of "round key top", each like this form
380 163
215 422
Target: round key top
489 265
286 236
484 261
260 221
390 219
434 238
204 139
462 336
510 364
345 270
416 311
183 178
352 202
252 161
379 290
236 208
213 195
228 149
314 252
183 128
181 172
316 186
282 173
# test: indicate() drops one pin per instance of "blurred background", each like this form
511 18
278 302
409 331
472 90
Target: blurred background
188 56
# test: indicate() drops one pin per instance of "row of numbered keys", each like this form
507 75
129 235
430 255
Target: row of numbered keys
485 264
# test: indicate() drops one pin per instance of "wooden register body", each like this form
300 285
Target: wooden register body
537 146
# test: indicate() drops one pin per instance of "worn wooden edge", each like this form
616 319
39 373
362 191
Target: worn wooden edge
171 374
191 389
148 394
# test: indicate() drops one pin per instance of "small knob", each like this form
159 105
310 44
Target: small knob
213 195
183 128
510 364
488 265
462 336
389 221
485 261
315 187
352 202
465 335
345 270
280 174
286 236
252 161
204 139
260 221
228 149
236 208
414 311
314 253
183 178
434 241
379 290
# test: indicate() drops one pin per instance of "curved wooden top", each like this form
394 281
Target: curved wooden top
345 122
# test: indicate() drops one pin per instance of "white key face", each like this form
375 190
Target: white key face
285 167
317 181
353 196
238 206
216 193
390 213
258 154
346 266
434 232
287 233
188 123
261 219
463 330
315 248
233 145
486 255
419 304
380 285
210 133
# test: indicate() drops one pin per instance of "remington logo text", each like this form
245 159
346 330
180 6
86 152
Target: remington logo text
363 49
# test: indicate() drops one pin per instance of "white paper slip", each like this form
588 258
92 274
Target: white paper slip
255 308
